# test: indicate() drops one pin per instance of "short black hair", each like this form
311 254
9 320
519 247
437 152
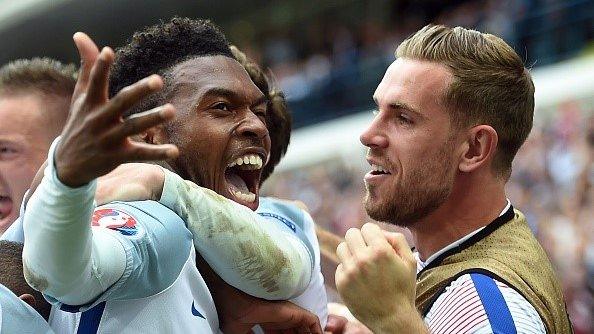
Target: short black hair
158 48
11 275
278 115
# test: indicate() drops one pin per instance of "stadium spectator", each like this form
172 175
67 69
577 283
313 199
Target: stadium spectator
441 148
34 99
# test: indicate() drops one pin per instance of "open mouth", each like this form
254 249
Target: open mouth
243 176
5 206
378 170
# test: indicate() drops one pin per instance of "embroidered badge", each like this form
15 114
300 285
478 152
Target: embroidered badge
115 220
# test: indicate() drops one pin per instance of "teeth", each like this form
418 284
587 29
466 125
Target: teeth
249 162
378 168
244 197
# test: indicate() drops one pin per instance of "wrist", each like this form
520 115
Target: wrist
65 177
63 171
55 172
406 319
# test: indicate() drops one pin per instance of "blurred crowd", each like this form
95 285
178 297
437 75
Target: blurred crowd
552 184
329 67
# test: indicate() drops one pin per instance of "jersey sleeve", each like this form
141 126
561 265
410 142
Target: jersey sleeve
298 221
17 316
156 244
62 256
477 303
73 263
264 260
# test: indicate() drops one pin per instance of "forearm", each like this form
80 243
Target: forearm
254 256
62 256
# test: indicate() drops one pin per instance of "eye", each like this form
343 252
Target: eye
221 106
403 119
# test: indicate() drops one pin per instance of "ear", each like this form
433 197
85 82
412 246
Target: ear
155 135
479 148
29 299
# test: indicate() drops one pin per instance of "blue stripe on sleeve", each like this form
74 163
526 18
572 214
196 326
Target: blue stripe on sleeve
90 320
495 307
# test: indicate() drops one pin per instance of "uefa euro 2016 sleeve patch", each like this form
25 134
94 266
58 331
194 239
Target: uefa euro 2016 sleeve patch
115 219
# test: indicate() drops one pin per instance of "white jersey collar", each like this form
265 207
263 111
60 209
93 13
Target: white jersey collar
422 264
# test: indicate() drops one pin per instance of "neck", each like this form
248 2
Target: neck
474 202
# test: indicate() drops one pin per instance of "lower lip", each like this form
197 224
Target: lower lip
252 205
375 178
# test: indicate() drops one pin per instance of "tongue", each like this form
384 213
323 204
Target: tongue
5 206
237 182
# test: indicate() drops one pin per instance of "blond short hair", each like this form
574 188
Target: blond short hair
38 75
490 84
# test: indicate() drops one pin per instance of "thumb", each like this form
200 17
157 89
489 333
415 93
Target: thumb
335 324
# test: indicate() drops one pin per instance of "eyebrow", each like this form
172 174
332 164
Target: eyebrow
231 95
401 105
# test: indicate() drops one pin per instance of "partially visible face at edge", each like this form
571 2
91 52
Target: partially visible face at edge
25 137
220 127
411 144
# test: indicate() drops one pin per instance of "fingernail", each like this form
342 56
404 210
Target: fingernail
167 111
154 81
103 54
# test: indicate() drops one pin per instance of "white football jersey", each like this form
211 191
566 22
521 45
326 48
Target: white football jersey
161 290
115 216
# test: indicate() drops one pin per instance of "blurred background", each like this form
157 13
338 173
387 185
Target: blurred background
328 57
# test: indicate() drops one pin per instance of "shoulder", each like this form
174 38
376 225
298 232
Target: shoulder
288 212
478 303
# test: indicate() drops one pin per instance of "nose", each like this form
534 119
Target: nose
252 126
374 136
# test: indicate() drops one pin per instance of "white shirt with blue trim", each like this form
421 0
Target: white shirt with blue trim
161 290
138 251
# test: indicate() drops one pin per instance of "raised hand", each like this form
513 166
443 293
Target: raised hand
96 139
376 279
